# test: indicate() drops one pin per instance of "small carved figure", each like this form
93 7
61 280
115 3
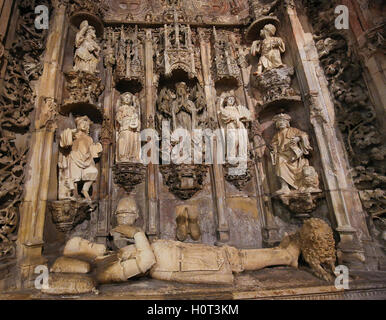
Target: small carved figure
309 181
129 126
234 117
289 146
270 49
183 109
79 164
48 112
87 52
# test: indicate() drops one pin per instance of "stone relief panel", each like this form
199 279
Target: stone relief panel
196 11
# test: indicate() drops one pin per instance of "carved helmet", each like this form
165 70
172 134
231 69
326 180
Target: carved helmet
127 211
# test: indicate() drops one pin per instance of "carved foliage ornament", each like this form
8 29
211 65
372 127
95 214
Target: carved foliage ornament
66 215
23 65
124 52
355 113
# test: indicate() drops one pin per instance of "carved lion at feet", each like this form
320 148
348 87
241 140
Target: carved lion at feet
317 245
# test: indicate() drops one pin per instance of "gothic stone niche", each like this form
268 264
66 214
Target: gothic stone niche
83 83
299 181
224 64
176 50
128 169
125 53
273 77
182 107
67 214
235 119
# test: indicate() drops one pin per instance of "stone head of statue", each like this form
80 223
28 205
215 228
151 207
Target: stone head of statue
282 121
230 101
83 124
127 211
83 25
127 98
91 33
181 89
269 30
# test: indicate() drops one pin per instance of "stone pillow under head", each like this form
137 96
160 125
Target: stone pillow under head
67 283
70 265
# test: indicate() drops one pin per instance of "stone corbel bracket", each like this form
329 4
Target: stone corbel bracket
83 89
128 175
67 214
184 180
302 204
238 180
275 87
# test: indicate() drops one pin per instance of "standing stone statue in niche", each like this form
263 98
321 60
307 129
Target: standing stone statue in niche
77 165
87 52
184 113
289 147
129 126
270 50
234 117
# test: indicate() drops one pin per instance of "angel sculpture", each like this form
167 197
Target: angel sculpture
270 49
233 118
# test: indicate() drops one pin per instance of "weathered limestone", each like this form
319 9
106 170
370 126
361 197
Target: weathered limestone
192 64
33 208
343 199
